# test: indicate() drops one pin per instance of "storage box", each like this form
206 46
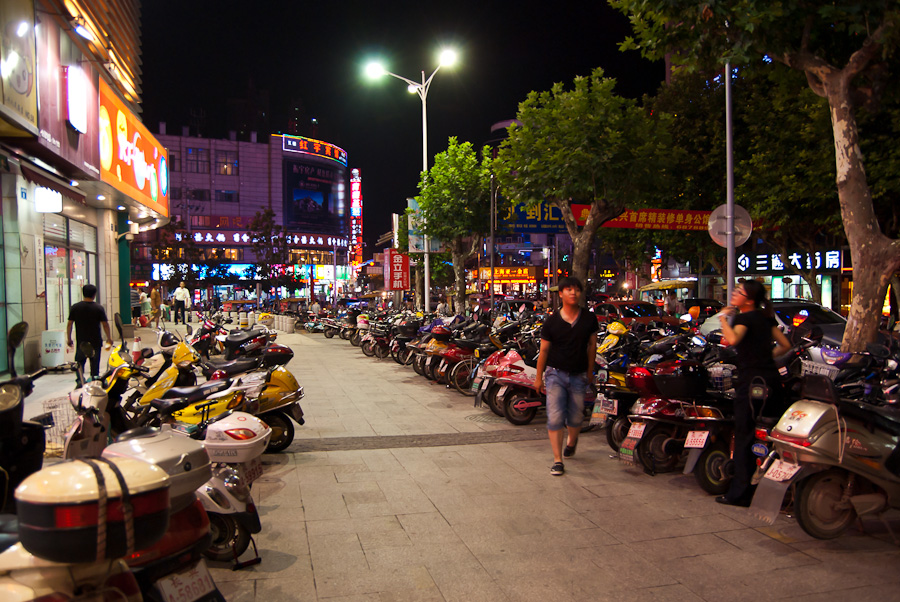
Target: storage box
237 438
681 379
59 514
183 459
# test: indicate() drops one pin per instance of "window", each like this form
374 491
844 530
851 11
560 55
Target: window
200 220
226 196
198 194
226 163
197 160
174 160
175 194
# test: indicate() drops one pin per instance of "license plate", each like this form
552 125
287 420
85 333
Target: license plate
443 366
188 586
782 471
296 413
637 430
484 384
696 439
253 470
626 451
501 392
607 405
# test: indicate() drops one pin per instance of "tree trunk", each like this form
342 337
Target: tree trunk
875 256
420 285
460 251
583 240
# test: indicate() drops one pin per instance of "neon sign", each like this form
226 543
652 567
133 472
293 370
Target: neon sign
316 148
356 241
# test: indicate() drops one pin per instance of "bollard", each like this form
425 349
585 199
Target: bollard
242 317
251 318
288 325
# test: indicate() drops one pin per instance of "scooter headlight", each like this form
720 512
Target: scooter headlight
10 396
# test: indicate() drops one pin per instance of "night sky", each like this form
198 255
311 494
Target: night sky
197 54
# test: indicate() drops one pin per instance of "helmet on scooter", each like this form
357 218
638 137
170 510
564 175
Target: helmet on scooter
167 342
616 328
441 333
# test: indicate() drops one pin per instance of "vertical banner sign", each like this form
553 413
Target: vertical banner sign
39 266
396 270
416 238
356 242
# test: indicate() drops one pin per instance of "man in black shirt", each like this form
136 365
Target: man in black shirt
88 316
568 346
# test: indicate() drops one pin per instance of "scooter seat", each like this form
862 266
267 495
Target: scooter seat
465 343
9 531
231 367
170 406
887 419
240 337
197 393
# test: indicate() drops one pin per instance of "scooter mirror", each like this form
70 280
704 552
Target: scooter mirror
878 350
16 335
119 328
87 349
146 352
188 329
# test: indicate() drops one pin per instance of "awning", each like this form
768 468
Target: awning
41 180
668 284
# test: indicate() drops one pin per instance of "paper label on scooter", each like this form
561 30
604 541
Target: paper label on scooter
188 586
782 471
626 450
253 470
696 439
636 431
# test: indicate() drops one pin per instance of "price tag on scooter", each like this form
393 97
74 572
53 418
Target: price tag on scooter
782 471
696 439
637 430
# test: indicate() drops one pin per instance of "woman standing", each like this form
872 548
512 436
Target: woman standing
752 332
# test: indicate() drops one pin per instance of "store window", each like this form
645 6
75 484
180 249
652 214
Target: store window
226 196
226 163
174 161
70 262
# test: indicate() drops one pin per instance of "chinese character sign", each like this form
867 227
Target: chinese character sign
546 217
396 270
828 261
356 241
661 219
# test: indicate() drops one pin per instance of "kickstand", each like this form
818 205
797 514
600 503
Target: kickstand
252 562
889 530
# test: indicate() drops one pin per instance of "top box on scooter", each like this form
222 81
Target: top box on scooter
237 438
184 460
681 378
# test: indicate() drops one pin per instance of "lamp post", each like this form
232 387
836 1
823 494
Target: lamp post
374 70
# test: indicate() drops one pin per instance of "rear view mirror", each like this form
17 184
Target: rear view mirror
16 335
146 352
86 349
879 351
189 330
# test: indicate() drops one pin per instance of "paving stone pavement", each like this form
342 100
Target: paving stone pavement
397 489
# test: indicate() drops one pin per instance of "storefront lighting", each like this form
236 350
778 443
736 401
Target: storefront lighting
81 29
121 207
22 29
73 183
101 197
47 201
129 222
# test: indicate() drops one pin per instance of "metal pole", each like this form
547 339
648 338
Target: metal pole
729 202
423 92
334 283
493 213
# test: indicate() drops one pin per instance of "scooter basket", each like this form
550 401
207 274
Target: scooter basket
721 376
85 510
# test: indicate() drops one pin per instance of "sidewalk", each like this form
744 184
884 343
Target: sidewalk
399 489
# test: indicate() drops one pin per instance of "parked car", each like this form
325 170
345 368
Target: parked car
631 311
790 313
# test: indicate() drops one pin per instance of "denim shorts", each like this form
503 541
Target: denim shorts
565 398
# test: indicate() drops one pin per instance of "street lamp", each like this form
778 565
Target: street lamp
375 70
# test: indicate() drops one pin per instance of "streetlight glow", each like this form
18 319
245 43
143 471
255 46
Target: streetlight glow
412 88
374 70
448 58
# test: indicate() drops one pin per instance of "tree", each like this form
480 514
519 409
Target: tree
584 145
454 199
844 52
269 247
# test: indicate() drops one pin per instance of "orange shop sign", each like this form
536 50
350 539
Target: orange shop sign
131 160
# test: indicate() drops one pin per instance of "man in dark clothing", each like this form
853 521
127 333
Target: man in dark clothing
568 347
88 316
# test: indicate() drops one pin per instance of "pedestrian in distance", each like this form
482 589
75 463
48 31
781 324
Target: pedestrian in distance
565 368
182 299
315 309
135 305
751 334
671 304
155 306
88 316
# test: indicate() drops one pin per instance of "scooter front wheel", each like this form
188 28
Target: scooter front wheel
367 348
229 538
282 431
820 509
329 333
355 338
381 351
461 377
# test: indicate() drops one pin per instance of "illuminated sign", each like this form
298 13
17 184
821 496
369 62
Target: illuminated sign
316 148
396 270
131 160
295 239
356 241
47 201
513 275
546 217
76 97
775 263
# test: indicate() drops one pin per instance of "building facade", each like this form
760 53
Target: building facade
217 189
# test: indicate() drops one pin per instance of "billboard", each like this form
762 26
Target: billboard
396 270
314 197
545 217
131 159
18 86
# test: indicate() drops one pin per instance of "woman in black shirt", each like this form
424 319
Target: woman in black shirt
752 332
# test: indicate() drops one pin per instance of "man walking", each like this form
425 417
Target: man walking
182 301
568 346
88 316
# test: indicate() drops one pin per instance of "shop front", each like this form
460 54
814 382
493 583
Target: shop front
782 282
510 280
